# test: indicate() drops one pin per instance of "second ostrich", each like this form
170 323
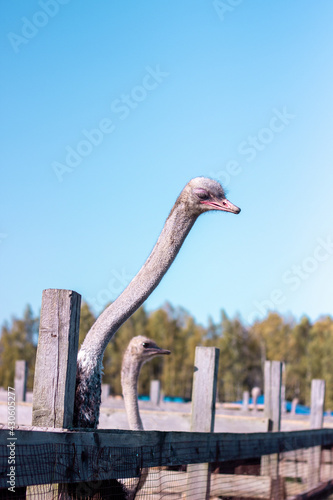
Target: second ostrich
199 195
139 351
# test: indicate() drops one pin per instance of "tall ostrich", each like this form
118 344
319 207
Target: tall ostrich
198 196
139 350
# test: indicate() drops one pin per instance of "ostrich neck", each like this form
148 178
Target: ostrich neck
129 382
175 230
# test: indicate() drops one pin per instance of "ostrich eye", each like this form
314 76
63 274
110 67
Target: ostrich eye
201 193
145 345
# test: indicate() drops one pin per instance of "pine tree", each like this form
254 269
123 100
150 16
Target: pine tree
321 355
298 380
17 342
87 319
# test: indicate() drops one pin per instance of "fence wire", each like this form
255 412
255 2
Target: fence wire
285 475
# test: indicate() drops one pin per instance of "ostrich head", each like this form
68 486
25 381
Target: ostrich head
202 195
142 349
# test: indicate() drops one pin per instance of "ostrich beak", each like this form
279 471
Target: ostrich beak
156 351
162 351
223 205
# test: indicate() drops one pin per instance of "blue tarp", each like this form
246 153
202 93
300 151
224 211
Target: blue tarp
300 409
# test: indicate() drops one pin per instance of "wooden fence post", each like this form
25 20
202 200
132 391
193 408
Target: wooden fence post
283 389
316 422
105 392
20 381
203 415
155 392
245 402
272 392
55 371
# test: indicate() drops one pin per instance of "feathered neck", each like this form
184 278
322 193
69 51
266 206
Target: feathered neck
129 382
175 230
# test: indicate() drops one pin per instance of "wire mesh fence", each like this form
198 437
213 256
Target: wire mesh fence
154 465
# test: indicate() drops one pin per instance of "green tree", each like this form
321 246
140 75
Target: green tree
273 334
87 319
193 335
297 368
163 330
321 355
176 330
239 366
17 343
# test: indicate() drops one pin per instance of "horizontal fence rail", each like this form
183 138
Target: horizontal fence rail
49 456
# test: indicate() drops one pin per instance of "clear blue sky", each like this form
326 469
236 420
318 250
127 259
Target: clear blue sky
177 89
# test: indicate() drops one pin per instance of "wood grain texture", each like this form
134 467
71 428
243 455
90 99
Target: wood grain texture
55 371
155 392
272 392
20 381
317 403
273 382
206 365
316 422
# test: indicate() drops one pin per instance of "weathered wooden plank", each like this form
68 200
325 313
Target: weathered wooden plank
261 442
317 403
204 389
44 457
231 485
283 390
297 469
155 392
55 371
206 366
273 382
246 400
235 485
105 392
316 492
272 391
316 422
20 381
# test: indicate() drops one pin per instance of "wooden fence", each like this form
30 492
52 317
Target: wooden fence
198 465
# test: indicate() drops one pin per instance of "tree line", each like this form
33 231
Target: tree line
305 347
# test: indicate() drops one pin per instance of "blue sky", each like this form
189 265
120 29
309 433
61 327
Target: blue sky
109 108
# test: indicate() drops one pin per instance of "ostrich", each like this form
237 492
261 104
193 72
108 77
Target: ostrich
198 196
139 350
